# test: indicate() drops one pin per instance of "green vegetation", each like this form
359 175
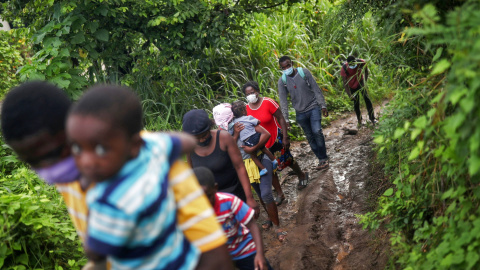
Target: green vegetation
13 53
171 59
180 55
430 145
36 231
76 44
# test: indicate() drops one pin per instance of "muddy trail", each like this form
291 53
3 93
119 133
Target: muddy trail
323 230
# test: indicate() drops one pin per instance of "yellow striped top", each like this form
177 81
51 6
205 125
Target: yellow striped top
195 215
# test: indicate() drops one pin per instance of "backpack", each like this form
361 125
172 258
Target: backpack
302 74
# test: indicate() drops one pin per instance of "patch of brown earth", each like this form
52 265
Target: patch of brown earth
323 229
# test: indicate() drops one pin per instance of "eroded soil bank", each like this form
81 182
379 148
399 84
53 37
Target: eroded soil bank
323 230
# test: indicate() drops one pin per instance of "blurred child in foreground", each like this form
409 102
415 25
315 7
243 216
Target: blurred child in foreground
33 124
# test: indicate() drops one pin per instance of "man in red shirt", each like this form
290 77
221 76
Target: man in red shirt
354 73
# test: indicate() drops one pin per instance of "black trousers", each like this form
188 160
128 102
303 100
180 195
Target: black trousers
356 103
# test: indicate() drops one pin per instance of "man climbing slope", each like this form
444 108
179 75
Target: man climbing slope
307 100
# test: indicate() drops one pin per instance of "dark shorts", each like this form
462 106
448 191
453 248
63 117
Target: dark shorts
284 157
252 140
248 263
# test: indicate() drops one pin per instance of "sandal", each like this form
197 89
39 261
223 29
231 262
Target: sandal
303 183
278 200
281 236
267 224
323 165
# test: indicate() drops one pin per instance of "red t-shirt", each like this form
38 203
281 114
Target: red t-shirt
354 76
264 113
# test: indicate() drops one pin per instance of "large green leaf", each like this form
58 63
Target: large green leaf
78 38
102 35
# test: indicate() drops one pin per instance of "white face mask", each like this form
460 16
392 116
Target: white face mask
252 98
352 67
288 71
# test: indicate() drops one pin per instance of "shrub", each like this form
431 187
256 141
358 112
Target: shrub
430 143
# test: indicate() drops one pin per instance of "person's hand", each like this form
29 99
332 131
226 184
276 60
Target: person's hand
254 205
238 127
249 149
286 143
260 263
325 112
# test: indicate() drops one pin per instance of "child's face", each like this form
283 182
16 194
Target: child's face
210 193
41 149
99 149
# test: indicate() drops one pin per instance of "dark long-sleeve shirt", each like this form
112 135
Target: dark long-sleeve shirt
304 97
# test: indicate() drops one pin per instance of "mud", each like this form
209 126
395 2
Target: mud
321 221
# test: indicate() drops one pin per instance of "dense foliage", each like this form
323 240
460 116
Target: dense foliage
13 53
178 57
71 49
430 142
184 54
82 42
36 232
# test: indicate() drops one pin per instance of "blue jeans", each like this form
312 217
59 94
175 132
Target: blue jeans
264 188
311 123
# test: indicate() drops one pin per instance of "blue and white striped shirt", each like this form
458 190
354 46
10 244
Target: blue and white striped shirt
132 216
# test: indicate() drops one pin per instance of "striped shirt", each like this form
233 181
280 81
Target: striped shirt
194 213
75 200
233 214
132 216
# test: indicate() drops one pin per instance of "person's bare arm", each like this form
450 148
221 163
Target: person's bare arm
264 137
260 261
217 258
283 125
236 130
237 161
188 141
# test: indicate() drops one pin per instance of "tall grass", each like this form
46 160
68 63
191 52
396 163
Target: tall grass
316 35
317 38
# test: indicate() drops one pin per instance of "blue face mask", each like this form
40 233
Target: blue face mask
288 71
352 67
61 172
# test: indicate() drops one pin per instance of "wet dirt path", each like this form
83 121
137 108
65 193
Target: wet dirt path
323 230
